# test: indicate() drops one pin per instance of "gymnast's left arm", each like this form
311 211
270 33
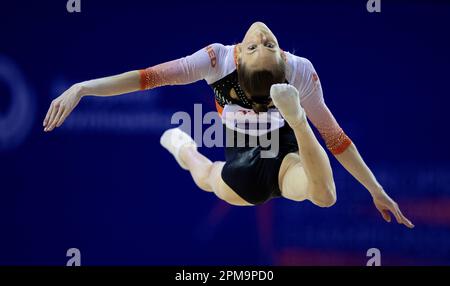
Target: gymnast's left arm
352 161
345 151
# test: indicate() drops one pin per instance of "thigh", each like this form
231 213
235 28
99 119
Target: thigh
221 189
292 178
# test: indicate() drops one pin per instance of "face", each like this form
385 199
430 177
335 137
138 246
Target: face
259 48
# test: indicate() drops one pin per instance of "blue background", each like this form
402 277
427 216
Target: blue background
103 184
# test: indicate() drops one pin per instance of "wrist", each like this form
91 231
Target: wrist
300 121
81 89
376 190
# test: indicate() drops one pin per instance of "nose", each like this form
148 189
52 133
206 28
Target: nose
262 36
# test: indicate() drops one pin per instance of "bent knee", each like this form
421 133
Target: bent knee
295 194
326 202
325 197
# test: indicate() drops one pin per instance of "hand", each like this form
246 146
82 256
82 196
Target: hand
61 107
385 204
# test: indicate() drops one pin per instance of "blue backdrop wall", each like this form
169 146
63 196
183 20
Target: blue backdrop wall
102 183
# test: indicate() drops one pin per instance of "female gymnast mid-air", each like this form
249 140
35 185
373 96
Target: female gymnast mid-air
252 77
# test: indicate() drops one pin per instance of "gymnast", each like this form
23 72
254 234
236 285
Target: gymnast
255 76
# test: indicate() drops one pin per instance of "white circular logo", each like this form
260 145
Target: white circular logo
17 120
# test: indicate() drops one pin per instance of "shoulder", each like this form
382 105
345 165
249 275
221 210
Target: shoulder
302 74
222 60
299 64
219 49
220 54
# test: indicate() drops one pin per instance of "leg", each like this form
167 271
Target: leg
312 172
221 189
293 180
198 165
206 174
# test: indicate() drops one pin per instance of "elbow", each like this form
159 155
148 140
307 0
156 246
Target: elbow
338 143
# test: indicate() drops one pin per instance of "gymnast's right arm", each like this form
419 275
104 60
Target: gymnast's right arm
200 65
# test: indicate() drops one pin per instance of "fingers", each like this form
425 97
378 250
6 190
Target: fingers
397 216
47 116
386 206
386 215
63 117
54 110
404 220
56 118
401 219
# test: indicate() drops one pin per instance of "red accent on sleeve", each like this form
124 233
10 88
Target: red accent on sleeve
142 79
154 76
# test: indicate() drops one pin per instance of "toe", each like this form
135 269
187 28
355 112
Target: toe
283 89
277 89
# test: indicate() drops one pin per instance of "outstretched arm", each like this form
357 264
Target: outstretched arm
195 67
63 105
344 150
352 161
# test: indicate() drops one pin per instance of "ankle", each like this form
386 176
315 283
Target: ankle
298 122
184 153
